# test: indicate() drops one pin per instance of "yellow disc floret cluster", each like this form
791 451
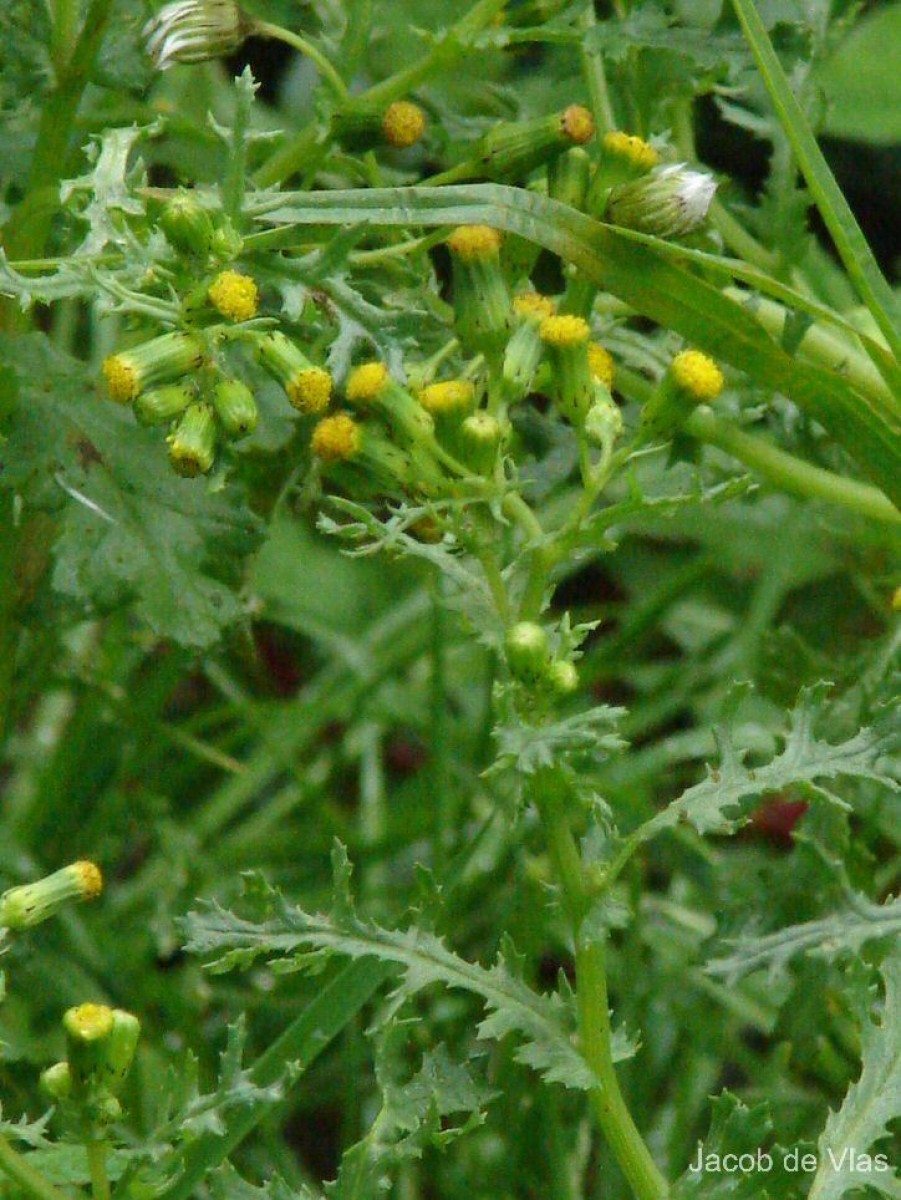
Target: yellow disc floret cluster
473 242
566 330
578 124
697 375
89 1022
234 295
121 378
336 439
310 390
634 150
600 363
89 877
453 395
367 382
403 124
534 305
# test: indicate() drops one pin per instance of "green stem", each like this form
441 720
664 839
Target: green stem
607 1102
313 53
790 473
593 71
97 1153
9 540
29 1180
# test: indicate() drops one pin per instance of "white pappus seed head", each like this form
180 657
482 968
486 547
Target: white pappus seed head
191 31
669 202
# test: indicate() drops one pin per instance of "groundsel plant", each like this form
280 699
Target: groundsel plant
462 483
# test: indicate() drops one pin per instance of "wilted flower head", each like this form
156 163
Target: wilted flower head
669 202
191 31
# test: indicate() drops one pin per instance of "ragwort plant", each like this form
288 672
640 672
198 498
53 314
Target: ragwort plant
603 466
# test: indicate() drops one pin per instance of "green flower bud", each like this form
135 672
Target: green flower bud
566 341
482 314
87 1028
669 202
187 225
56 1081
523 351
528 653
400 125
604 421
371 388
119 1048
192 445
339 440
479 439
309 388
563 677
28 905
226 243
567 177
514 148
160 405
235 407
161 360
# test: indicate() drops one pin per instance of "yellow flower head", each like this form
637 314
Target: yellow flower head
234 295
454 395
563 331
578 124
88 878
697 375
472 243
534 305
636 151
122 379
88 1022
367 382
600 364
336 439
403 124
310 390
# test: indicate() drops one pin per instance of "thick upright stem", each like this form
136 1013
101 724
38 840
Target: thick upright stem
607 1102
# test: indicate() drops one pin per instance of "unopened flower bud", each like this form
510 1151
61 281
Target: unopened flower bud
187 225
523 351
566 341
340 440
192 444
87 1027
481 298
563 677
235 407
515 148
161 360
479 439
191 31
308 387
226 243
528 653
163 404
119 1049
567 177
56 1081
603 421
623 158
30 903
670 202
360 127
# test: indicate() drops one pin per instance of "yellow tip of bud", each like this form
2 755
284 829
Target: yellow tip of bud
600 363
697 374
234 295
634 150
454 395
403 124
121 379
336 439
89 878
566 330
533 304
578 124
471 242
366 383
896 600
310 390
89 1022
